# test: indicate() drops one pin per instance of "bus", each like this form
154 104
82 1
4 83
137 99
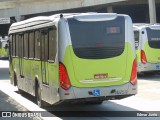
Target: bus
74 57
147 43
4 48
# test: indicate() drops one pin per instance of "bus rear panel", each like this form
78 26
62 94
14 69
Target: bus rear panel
99 59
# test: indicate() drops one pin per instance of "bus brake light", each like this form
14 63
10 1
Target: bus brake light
133 78
64 79
143 57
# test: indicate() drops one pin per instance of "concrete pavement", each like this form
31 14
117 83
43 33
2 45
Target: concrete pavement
8 104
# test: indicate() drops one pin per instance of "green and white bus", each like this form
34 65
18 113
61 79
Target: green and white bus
4 48
147 42
76 57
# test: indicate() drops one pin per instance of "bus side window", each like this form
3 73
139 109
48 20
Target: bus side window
52 44
31 44
37 45
17 46
26 45
46 45
20 45
14 46
10 45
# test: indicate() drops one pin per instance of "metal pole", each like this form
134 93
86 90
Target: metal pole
152 11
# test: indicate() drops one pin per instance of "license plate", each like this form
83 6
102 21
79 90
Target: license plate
100 76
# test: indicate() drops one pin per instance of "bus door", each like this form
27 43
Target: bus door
44 56
21 42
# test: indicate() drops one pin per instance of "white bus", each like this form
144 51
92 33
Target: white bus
74 57
4 48
147 42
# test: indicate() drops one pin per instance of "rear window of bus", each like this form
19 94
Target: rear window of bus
97 39
153 38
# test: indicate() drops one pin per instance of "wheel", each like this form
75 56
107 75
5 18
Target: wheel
15 83
40 102
20 91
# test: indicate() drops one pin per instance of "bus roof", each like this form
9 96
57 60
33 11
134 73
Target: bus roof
138 26
48 20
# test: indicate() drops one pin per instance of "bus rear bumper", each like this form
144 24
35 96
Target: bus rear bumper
148 67
103 93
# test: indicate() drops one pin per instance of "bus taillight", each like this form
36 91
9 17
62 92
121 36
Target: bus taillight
64 79
143 57
133 78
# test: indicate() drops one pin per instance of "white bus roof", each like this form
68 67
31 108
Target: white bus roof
48 20
138 26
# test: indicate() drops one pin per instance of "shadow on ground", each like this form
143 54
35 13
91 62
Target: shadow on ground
106 109
149 77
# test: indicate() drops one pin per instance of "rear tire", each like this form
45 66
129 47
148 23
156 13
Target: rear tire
38 95
20 91
15 82
40 102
